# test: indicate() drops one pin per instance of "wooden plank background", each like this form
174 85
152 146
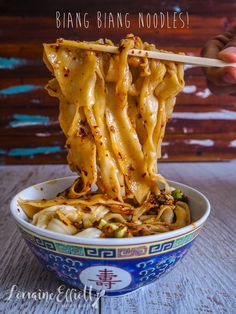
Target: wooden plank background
203 126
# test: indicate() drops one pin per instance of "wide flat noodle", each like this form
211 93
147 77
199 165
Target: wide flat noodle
113 111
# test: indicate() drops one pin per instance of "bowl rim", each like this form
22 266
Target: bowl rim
109 241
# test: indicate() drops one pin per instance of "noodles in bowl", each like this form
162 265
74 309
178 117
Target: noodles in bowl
118 225
113 112
116 265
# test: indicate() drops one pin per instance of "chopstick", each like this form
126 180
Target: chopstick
198 61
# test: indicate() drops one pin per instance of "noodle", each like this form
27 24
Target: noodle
113 112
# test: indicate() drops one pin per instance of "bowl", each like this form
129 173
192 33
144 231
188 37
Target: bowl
115 266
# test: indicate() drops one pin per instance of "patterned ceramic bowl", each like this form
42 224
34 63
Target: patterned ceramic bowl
117 266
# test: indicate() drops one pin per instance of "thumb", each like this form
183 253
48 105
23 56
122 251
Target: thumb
222 76
229 52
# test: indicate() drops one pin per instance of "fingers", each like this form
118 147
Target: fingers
219 90
216 44
229 53
221 76
221 80
212 48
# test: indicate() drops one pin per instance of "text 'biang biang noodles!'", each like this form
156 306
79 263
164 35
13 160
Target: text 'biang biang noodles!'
113 112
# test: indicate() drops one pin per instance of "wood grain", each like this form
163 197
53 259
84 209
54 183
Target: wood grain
216 6
23 30
203 283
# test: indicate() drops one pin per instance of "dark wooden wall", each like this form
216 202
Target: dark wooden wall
203 126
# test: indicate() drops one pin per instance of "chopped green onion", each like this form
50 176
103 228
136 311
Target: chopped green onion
177 194
120 233
112 225
102 223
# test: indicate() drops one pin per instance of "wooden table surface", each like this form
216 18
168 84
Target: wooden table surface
205 281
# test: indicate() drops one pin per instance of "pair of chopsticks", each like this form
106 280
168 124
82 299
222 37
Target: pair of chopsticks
197 61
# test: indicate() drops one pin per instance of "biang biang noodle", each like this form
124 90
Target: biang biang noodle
113 112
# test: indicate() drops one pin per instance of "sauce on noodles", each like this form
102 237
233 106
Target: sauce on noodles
113 112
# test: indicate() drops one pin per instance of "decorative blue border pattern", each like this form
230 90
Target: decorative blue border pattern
108 252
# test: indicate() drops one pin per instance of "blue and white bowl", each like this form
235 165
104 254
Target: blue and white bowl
118 266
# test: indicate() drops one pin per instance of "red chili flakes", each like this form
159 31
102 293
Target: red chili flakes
119 155
66 71
82 132
57 46
139 116
112 129
144 174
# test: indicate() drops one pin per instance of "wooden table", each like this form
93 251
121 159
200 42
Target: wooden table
203 283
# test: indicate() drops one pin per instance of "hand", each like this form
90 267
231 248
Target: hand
221 80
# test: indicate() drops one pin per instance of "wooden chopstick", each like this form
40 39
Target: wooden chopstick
198 61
